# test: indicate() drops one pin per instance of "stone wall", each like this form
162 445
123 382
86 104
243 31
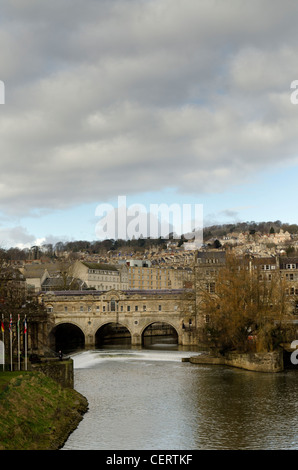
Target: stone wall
61 371
260 362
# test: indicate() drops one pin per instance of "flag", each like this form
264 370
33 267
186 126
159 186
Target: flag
2 329
19 352
25 338
10 334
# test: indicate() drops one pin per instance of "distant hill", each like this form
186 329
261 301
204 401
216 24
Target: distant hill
217 231
141 245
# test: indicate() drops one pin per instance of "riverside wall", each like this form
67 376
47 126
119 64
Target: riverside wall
259 362
61 371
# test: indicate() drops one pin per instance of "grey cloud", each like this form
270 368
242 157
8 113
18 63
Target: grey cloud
18 236
14 236
119 97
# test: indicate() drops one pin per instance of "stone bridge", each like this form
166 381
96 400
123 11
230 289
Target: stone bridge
89 311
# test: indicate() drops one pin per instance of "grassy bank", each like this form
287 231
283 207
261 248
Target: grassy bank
36 413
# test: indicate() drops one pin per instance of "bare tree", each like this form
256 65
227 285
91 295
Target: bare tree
246 308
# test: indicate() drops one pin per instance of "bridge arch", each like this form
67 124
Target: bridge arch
67 337
112 333
159 332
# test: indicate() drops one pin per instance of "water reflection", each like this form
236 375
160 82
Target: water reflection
149 399
238 409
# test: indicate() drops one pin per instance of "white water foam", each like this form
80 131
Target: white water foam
92 357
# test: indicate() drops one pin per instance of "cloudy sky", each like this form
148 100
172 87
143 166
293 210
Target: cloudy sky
163 101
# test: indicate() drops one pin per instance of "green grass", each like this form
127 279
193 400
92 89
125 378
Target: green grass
5 378
35 412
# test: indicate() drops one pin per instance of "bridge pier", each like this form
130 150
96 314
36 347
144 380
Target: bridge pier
89 341
188 338
136 339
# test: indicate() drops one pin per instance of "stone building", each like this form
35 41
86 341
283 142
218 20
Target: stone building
205 272
289 269
101 276
156 277
35 275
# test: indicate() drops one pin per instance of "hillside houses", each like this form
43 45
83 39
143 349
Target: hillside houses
160 267
255 240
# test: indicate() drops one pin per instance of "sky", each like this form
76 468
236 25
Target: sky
160 101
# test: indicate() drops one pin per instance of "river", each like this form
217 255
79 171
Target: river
149 399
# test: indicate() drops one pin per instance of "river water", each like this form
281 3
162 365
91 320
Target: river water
149 399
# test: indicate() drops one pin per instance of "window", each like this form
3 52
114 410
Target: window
65 309
266 267
290 266
81 308
210 287
113 306
128 308
136 308
159 308
144 308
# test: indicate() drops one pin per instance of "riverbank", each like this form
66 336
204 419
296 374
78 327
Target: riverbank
36 413
259 362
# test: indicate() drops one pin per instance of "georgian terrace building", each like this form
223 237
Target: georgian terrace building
102 277
155 277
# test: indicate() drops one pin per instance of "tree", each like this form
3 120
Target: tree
16 303
245 307
217 244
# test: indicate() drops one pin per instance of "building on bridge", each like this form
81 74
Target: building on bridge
80 319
